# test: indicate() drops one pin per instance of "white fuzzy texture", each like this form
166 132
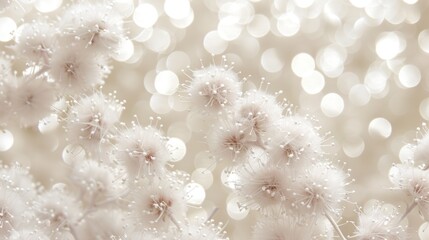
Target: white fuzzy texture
258 112
57 210
75 71
96 181
94 27
29 234
36 42
213 89
157 204
264 187
104 224
421 152
12 208
30 99
319 190
295 143
287 228
229 141
378 223
91 118
142 151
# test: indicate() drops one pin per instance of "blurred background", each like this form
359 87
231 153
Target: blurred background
357 66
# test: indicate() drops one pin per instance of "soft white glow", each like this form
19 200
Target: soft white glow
332 105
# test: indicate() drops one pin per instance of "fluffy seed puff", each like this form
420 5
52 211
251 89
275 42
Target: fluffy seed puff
96 181
264 187
143 151
379 223
230 141
92 26
157 204
74 71
214 88
285 228
258 112
295 143
320 190
36 42
12 210
91 118
415 183
30 99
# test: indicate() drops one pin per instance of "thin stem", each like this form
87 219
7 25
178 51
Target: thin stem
407 211
212 214
335 225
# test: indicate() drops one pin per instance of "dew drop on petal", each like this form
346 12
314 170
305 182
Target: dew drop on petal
48 123
6 140
235 211
72 153
177 149
7 28
195 193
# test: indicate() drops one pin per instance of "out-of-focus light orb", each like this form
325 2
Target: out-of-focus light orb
303 64
410 1
6 140
177 9
145 15
331 60
424 109
177 149
409 76
184 22
124 7
159 104
229 178
46 6
48 123
7 28
313 83
380 127
270 61
304 3
389 45
214 44
160 40
227 30
237 12
424 231
332 105
234 210
178 61
195 193
406 154
125 51
354 149
360 3
202 176
259 26
423 40
166 82
376 81
288 24
359 95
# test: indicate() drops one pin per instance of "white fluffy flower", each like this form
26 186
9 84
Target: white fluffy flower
36 41
285 228
92 26
295 142
12 208
258 112
264 187
143 151
379 223
157 204
213 88
30 99
229 141
320 189
75 71
104 224
91 118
